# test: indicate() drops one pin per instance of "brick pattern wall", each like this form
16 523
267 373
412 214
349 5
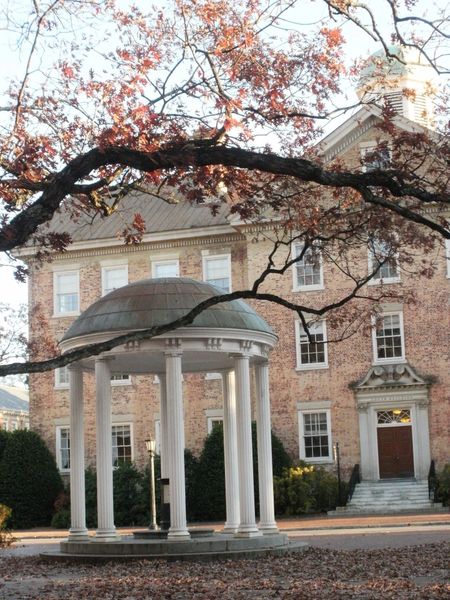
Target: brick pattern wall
426 326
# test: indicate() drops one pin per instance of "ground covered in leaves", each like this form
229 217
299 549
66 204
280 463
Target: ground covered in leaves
403 573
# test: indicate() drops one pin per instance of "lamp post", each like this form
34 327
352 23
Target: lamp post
150 444
337 460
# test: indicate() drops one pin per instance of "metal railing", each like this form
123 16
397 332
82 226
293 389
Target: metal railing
355 478
432 481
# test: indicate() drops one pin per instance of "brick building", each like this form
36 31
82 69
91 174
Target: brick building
382 394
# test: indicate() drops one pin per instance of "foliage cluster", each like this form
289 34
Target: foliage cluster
443 485
29 479
205 486
208 486
5 537
305 489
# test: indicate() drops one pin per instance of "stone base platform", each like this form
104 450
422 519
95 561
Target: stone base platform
217 546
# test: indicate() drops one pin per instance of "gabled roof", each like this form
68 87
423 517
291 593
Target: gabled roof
13 398
347 134
157 214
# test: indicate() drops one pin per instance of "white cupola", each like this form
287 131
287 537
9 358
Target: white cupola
404 80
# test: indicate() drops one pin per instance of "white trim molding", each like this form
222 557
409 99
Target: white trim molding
328 458
317 327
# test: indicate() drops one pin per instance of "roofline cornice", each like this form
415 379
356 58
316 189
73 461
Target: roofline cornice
166 240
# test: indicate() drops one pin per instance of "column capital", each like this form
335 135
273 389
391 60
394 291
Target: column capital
245 355
103 358
173 347
75 366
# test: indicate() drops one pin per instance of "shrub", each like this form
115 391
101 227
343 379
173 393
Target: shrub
131 496
6 538
61 519
305 489
30 480
4 436
209 487
443 486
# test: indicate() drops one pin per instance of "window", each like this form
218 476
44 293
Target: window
63 448
5 424
62 377
217 271
388 341
120 379
308 272
375 156
311 354
214 422
121 445
166 268
66 293
315 436
114 277
388 271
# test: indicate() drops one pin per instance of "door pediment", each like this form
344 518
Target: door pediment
389 376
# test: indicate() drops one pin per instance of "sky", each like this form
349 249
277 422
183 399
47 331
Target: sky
13 62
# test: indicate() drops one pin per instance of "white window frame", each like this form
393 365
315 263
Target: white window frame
376 279
213 375
367 147
297 248
310 366
396 359
213 415
206 258
56 274
124 424
61 385
122 381
59 428
106 269
301 433
155 263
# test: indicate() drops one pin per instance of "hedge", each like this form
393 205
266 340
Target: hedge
29 479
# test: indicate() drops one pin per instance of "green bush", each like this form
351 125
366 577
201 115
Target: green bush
61 519
209 488
6 538
443 486
30 480
4 436
131 496
305 489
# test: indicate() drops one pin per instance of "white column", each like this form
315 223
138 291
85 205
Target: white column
267 522
178 526
230 453
164 450
247 526
78 530
106 530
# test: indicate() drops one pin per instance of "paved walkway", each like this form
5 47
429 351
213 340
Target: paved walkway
294 524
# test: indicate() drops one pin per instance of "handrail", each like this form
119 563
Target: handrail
432 481
355 478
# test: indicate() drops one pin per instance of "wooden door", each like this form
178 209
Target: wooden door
395 452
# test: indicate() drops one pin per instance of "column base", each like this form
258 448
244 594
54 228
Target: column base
78 535
269 528
230 529
178 534
109 535
248 531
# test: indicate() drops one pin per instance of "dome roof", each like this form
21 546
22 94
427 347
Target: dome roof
152 302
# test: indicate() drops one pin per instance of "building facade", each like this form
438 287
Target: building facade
14 408
382 394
